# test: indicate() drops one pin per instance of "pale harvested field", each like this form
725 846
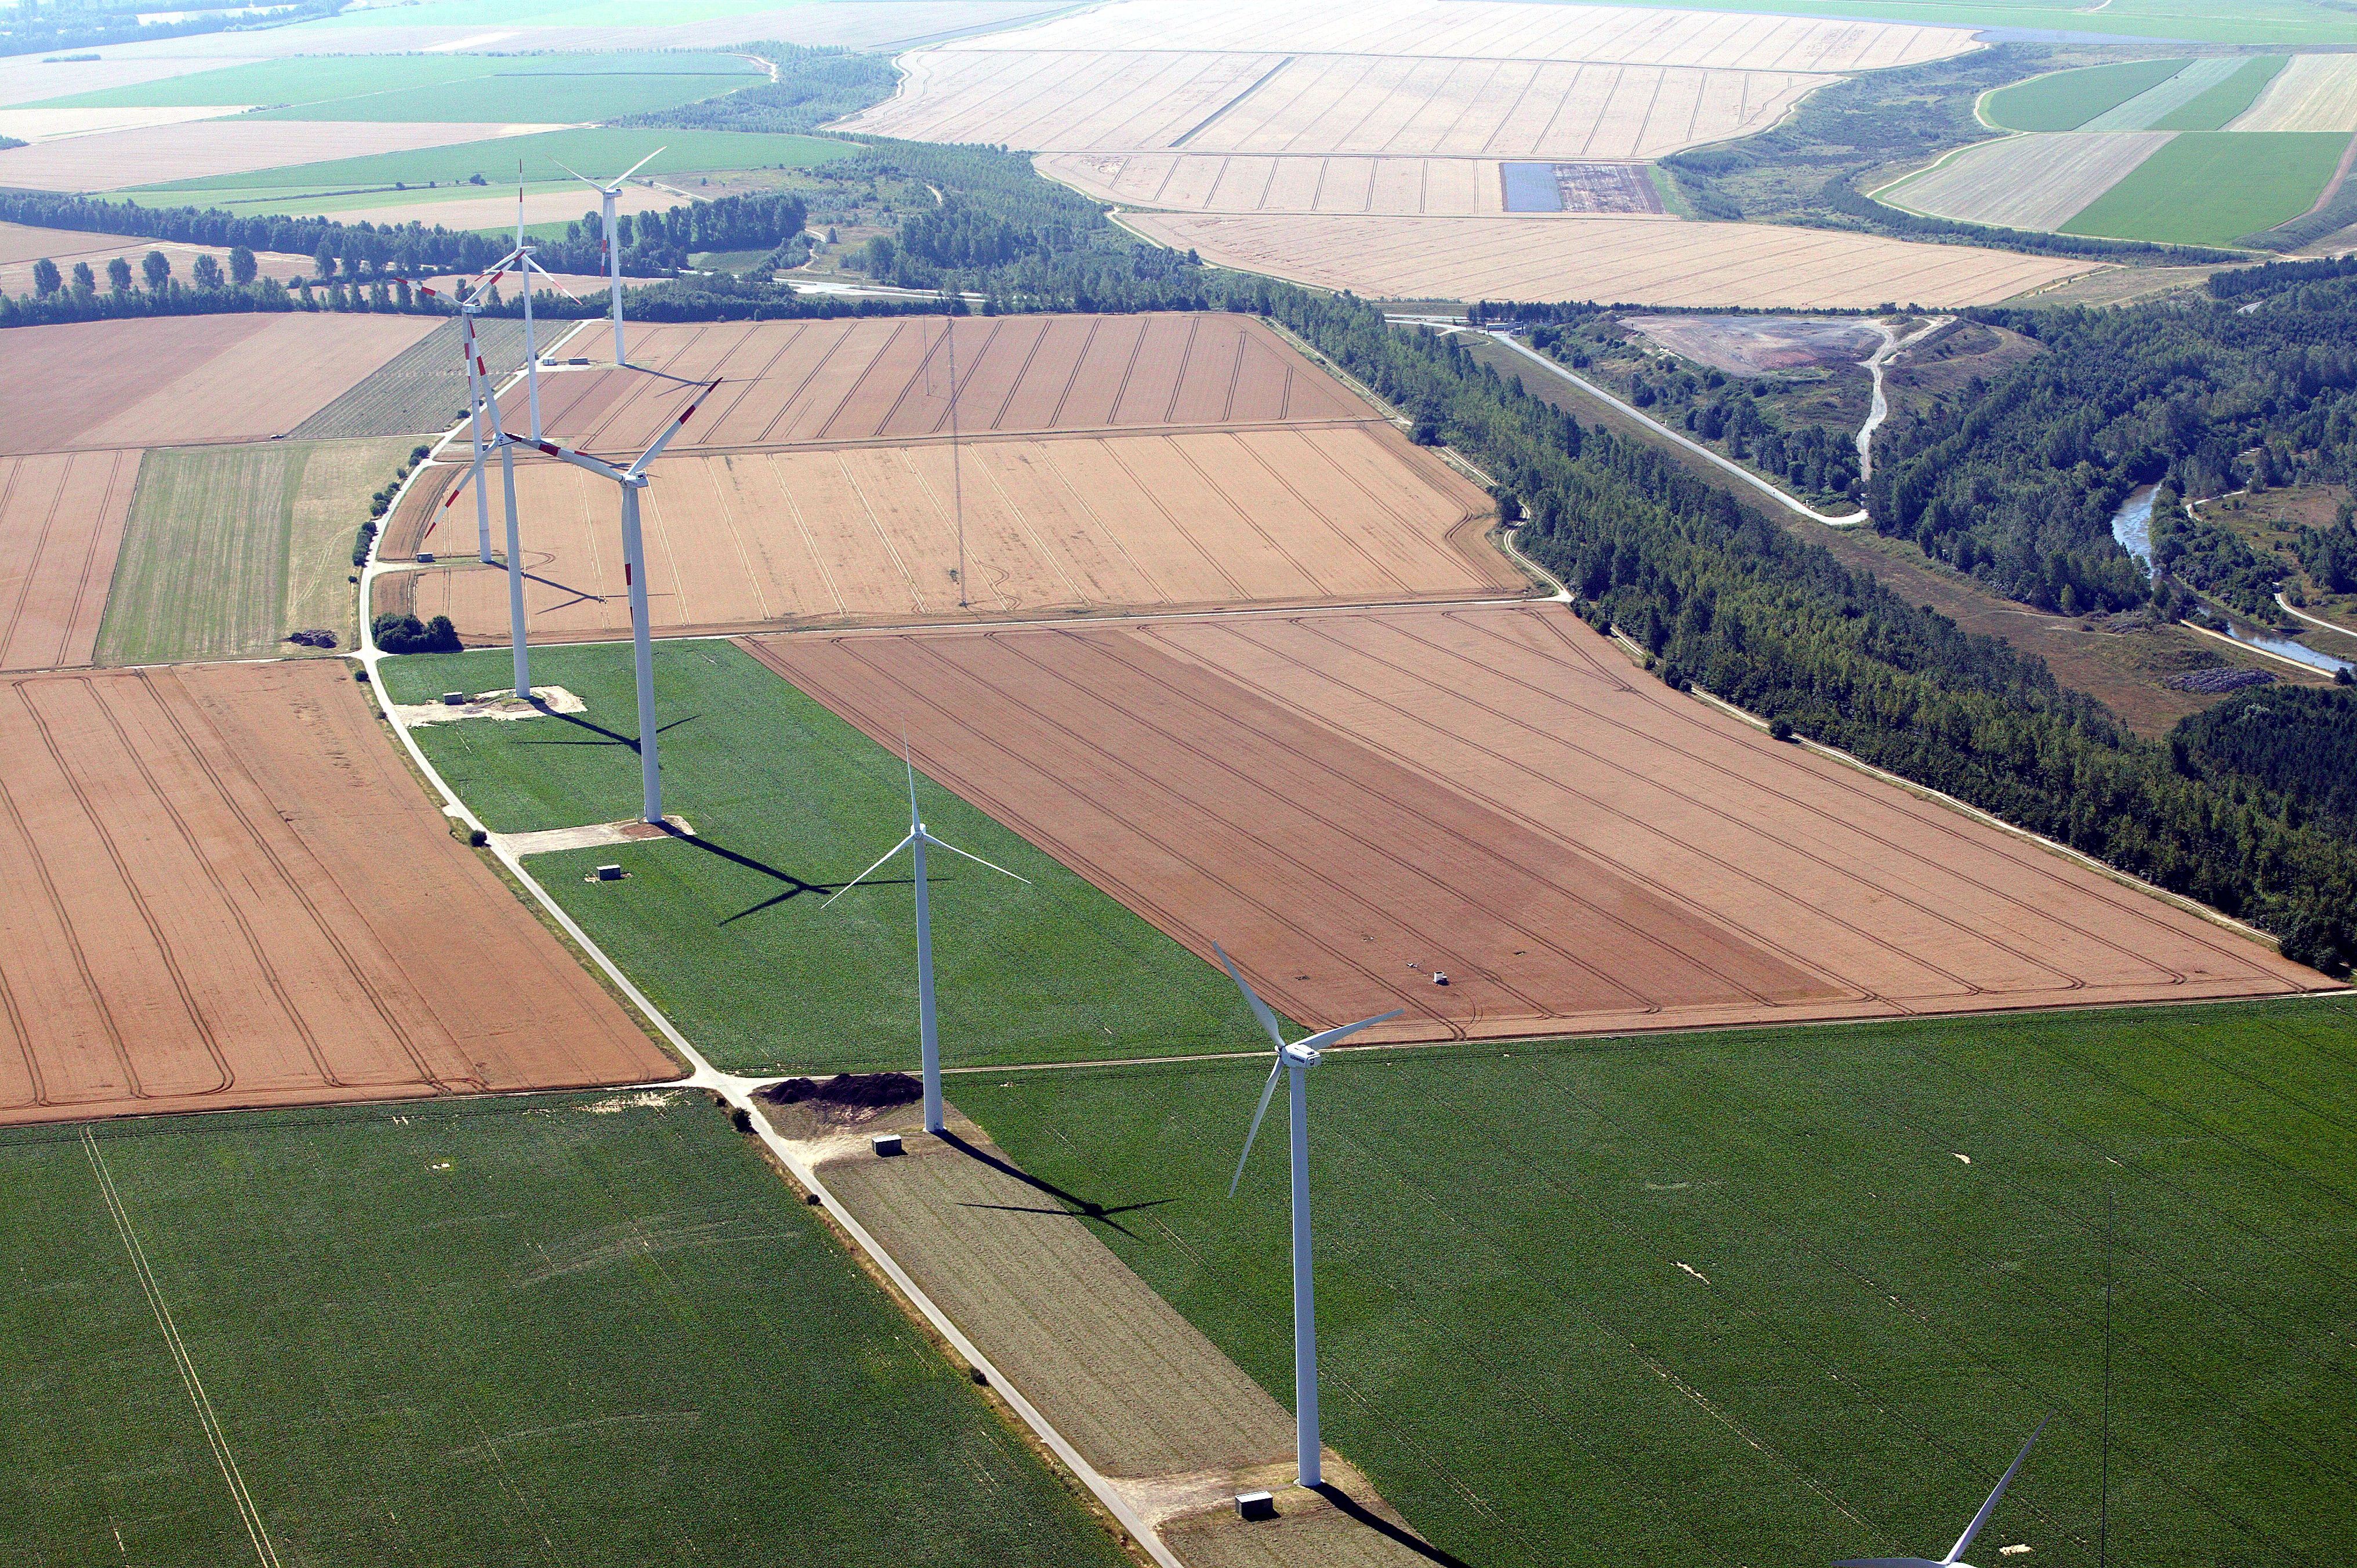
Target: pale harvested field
175 380
2314 92
153 155
1349 800
1313 105
2157 102
1632 261
1329 514
2029 182
225 891
29 78
1240 182
1493 30
789 382
49 124
21 246
62 521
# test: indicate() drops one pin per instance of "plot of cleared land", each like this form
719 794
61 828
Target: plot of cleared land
1311 106
48 125
226 891
1637 260
2213 188
789 382
114 160
2314 92
2066 100
61 520
1237 182
423 387
1343 514
1352 802
1492 29
185 380
2028 182
2158 102
1760 345
523 1330
21 246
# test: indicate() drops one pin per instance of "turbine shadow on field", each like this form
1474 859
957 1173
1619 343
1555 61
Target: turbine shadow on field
580 595
1074 1207
795 886
612 737
1350 1506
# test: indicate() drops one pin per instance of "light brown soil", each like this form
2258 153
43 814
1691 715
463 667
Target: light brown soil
792 383
1315 514
62 521
1353 800
223 892
151 154
172 380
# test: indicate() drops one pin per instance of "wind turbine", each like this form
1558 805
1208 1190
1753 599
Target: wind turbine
606 197
1296 1058
633 480
1955 1557
929 1038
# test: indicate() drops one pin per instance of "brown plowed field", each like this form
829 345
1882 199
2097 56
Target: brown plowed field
789 383
222 892
1350 801
61 520
1315 514
175 380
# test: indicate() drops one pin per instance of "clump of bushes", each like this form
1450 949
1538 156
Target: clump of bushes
406 634
382 502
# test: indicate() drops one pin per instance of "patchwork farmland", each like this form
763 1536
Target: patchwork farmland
116 160
2313 93
2028 182
61 520
1236 182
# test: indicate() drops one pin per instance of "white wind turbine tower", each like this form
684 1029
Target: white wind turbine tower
607 195
633 480
1296 1058
1955 1557
929 1038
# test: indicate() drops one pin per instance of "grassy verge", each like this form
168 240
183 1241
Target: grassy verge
1783 1297
508 1331
230 548
2205 188
726 934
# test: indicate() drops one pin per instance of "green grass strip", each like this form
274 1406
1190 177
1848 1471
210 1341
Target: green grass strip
2208 188
2069 99
2227 101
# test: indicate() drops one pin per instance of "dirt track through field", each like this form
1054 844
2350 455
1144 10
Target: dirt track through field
61 522
224 892
1351 800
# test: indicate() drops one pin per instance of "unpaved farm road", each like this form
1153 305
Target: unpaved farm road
1892 345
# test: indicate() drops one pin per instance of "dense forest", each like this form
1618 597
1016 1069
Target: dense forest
2295 743
2016 481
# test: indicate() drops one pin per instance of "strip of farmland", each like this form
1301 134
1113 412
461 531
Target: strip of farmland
1349 515
2028 182
2314 92
62 524
1635 261
2158 101
224 892
1246 182
1354 803
150 155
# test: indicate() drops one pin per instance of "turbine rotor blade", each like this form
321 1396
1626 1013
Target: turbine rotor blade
1888 1563
1964 1542
552 280
871 870
1260 1008
942 844
576 174
1268 1091
665 440
640 165
909 758
1320 1041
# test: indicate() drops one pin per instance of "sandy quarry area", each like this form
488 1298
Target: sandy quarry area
225 891
1647 261
788 382
172 381
1055 526
62 521
1351 801
1760 345
153 155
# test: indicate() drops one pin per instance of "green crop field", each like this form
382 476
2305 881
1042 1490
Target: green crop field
726 934
2217 108
2068 99
230 548
2201 21
557 14
2211 187
504 1331
531 89
1783 1297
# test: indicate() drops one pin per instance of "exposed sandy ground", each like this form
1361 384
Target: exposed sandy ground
21 246
1352 801
2313 93
1240 182
1316 105
185 380
224 892
1761 345
48 125
1323 514
1493 30
786 382
61 520
152 155
2029 182
1635 261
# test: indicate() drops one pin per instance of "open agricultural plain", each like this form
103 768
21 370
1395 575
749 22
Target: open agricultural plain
62 521
2027 182
226 892
2312 93
112 160
1237 182
1493 795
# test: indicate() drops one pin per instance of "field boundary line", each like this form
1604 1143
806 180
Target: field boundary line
208 1419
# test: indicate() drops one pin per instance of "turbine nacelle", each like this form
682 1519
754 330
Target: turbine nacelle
1302 1055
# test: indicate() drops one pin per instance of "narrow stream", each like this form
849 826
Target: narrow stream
2132 526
